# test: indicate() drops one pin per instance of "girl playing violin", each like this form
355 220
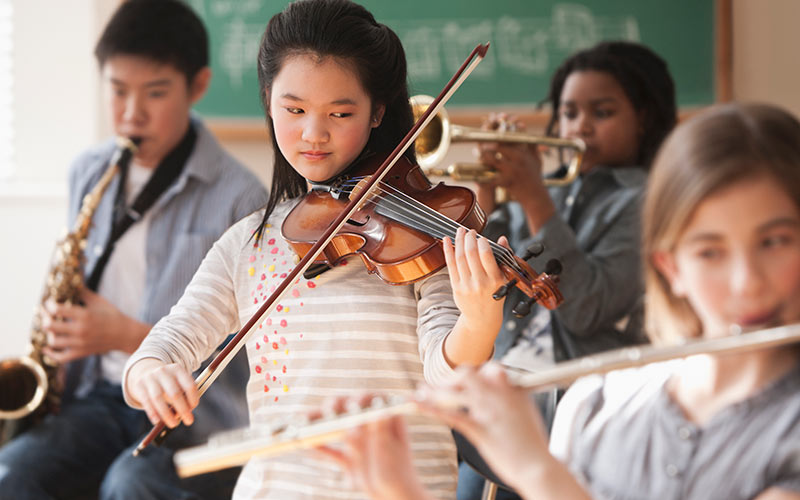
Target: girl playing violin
722 255
333 84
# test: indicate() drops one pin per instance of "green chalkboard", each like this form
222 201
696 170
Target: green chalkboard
529 38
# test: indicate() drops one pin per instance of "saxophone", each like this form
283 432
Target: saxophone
31 386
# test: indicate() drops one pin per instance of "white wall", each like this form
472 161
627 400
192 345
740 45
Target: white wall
57 114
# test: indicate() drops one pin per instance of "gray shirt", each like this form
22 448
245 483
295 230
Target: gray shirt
595 235
626 439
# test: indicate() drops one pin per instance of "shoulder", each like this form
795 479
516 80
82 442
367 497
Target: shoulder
212 163
90 164
596 400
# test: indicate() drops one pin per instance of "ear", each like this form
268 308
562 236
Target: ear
665 263
199 85
377 117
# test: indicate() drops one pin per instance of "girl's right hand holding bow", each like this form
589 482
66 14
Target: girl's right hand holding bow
166 392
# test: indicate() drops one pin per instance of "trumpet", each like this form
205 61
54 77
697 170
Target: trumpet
231 448
432 144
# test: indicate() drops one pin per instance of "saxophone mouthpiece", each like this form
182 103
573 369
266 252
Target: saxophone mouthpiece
129 143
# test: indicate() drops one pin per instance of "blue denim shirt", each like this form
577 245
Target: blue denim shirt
595 234
212 192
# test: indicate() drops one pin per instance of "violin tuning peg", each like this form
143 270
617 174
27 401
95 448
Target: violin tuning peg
503 290
553 267
532 251
524 307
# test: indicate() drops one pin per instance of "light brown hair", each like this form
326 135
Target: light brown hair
720 147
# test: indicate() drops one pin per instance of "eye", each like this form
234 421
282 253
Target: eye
341 115
604 113
156 94
709 254
294 111
569 114
776 241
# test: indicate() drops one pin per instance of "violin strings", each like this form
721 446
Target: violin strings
402 207
502 253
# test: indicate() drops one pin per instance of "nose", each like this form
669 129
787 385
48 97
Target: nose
747 276
134 110
315 130
584 125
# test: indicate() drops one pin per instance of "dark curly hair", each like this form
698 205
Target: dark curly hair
643 76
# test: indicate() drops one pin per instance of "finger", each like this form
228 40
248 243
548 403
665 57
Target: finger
450 260
188 387
175 397
154 396
65 310
494 373
462 265
333 455
504 242
472 257
488 261
60 356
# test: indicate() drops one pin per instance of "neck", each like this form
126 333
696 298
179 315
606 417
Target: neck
709 383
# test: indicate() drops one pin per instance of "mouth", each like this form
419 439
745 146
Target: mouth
759 320
313 155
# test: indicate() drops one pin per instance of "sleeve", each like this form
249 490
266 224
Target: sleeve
602 285
437 314
786 462
573 412
204 315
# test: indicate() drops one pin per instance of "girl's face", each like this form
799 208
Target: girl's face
321 115
594 108
738 260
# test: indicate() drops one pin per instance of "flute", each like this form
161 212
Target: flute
236 447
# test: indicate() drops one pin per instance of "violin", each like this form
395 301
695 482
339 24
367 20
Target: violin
399 226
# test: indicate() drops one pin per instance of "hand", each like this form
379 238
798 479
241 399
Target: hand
500 420
518 166
376 456
474 274
96 327
166 392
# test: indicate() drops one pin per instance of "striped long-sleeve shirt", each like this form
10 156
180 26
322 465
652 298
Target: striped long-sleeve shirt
344 332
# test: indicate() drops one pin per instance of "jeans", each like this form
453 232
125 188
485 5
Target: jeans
84 452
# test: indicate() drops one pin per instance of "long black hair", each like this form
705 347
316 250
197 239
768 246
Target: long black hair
343 30
643 76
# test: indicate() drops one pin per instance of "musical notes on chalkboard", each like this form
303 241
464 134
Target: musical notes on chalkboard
529 39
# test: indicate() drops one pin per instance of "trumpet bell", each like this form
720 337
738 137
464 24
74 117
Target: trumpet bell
434 141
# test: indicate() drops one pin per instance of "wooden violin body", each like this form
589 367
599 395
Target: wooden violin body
396 229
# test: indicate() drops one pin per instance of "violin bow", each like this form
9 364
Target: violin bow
213 370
